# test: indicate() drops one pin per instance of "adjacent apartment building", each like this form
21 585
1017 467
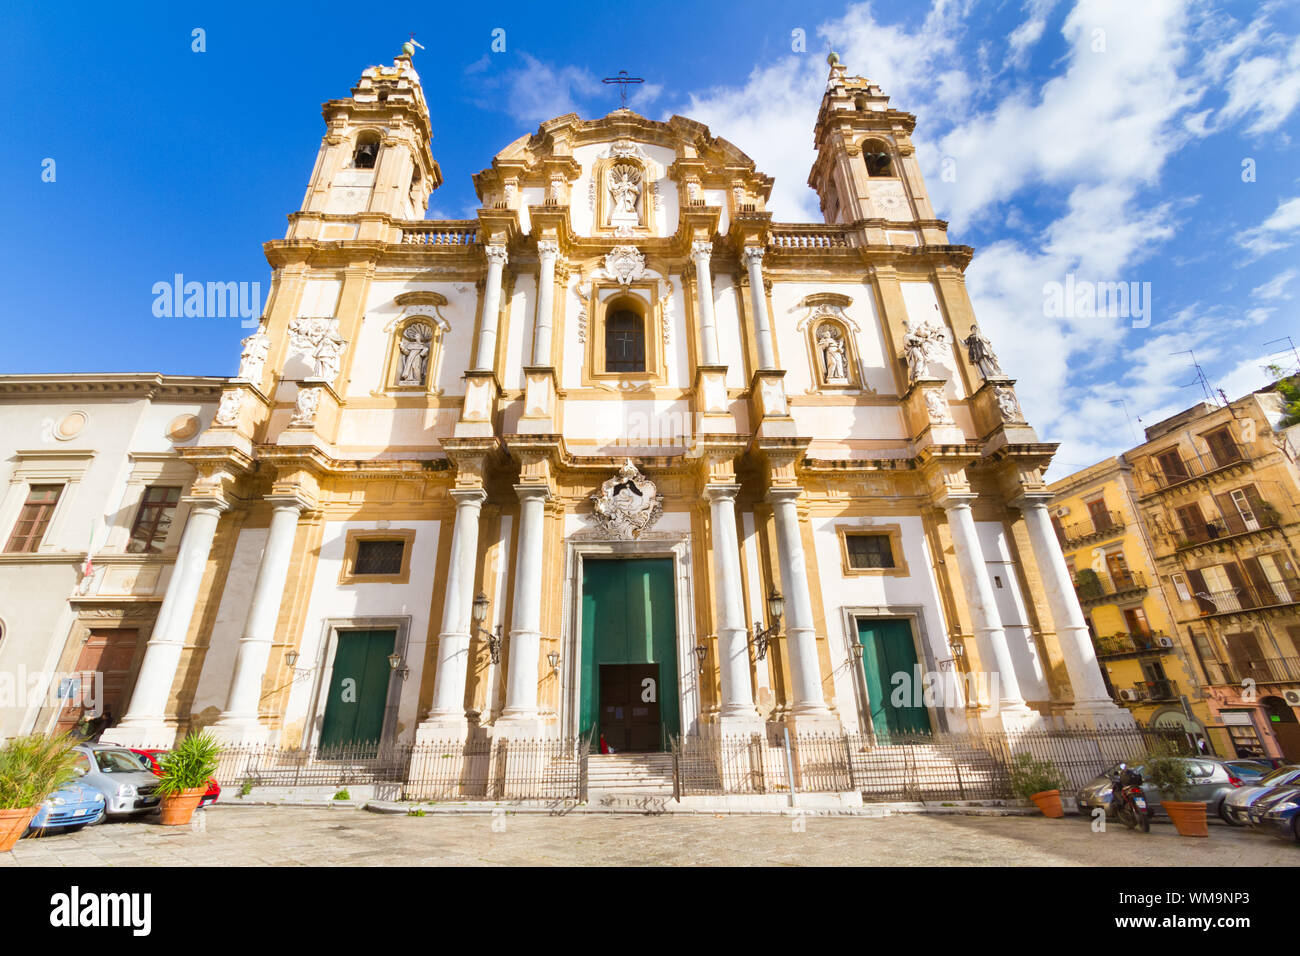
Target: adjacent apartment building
1204 585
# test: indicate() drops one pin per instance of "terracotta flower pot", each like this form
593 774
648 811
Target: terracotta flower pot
1188 817
13 824
1049 801
177 810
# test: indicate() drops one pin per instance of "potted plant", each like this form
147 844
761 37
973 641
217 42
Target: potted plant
185 774
31 768
1039 781
1168 772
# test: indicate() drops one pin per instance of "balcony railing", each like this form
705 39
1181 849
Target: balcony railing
1093 587
442 234
1265 516
1268 670
1173 472
808 236
1155 690
1278 593
1108 522
1122 643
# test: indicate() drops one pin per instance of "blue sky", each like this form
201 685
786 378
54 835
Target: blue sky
1100 139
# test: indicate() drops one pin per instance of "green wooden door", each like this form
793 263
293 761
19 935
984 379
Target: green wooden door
896 703
629 616
358 694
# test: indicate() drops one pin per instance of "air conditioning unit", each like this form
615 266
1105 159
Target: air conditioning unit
1127 694
1165 641
1292 697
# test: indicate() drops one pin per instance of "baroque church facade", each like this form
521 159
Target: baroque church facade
620 457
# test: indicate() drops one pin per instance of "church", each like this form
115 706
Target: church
621 458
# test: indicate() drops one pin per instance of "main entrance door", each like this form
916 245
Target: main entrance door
629 653
107 651
897 707
358 694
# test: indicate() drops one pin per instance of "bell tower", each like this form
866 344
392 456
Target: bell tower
374 162
866 165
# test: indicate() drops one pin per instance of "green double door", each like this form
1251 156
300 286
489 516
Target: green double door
629 653
897 702
358 691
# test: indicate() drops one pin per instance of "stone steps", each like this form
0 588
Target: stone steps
641 774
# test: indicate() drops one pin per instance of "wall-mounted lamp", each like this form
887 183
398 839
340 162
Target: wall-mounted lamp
554 660
398 665
958 652
701 652
493 637
855 648
763 635
291 658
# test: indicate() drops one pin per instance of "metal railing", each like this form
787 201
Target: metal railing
1107 522
1090 585
1168 473
1249 597
1163 689
477 769
901 767
1121 642
1267 670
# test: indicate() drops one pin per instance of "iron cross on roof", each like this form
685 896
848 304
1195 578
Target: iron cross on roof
622 80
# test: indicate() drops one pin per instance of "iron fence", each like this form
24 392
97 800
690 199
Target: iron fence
900 767
475 769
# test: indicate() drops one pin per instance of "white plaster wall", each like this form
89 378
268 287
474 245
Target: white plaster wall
843 422
232 611
875 361
726 315
1011 607
331 600
518 329
370 350
629 423
677 360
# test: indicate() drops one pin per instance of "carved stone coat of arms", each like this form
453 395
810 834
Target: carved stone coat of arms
628 504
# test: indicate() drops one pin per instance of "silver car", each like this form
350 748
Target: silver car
123 777
1236 806
1212 781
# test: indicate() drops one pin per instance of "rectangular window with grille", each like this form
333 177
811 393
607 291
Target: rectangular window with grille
869 551
379 557
34 519
154 519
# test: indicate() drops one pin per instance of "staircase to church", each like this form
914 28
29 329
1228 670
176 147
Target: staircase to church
635 776
926 772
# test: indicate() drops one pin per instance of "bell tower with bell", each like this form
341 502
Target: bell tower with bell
866 171
375 164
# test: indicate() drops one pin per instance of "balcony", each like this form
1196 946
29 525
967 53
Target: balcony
1093 588
1122 644
1102 525
1268 670
462 232
1178 470
1151 690
1236 600
1229 527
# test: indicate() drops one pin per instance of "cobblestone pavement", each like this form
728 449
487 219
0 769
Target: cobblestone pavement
239 836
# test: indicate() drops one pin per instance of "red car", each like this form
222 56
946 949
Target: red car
152 756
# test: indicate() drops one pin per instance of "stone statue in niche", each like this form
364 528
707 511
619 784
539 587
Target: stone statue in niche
830 343
319 340
228 409
980 351
624 194
253 358
414 346
628 503
1007 404
922 344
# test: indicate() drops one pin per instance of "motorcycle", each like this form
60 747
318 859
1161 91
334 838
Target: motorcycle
1128 803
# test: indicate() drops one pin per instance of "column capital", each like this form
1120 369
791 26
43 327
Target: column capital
548 249
206 503
288 502
753 256
782 493
955 499
496 254
467 496
702 249
527 492
720 492
1031 499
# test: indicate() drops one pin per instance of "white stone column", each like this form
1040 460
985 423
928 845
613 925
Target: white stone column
737 713
487 336
1091 701
809 702
758 302
547 250
238 722
972 568
520 716
446 718
144 723
702 253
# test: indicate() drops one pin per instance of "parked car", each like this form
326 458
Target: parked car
71 807
123 777
1255 812
1249 771
152 755
1212 780
1236 806
1282 815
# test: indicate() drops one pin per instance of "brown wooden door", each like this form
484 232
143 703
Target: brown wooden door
629 707
1247 659
110 652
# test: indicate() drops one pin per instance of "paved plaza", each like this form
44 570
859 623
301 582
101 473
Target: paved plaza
293 836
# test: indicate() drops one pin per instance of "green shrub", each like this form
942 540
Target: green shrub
1029 776
1167 772
190 766
33 767
343 795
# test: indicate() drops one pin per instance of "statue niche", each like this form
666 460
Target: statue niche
414 348
832 350
623 195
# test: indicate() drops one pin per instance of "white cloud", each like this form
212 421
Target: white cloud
1024 37
1275 288
1276 232
536 91
1266 88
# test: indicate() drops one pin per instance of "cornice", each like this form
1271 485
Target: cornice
152 386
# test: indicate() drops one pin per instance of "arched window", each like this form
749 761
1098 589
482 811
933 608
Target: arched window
367 151
624 341
876 156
